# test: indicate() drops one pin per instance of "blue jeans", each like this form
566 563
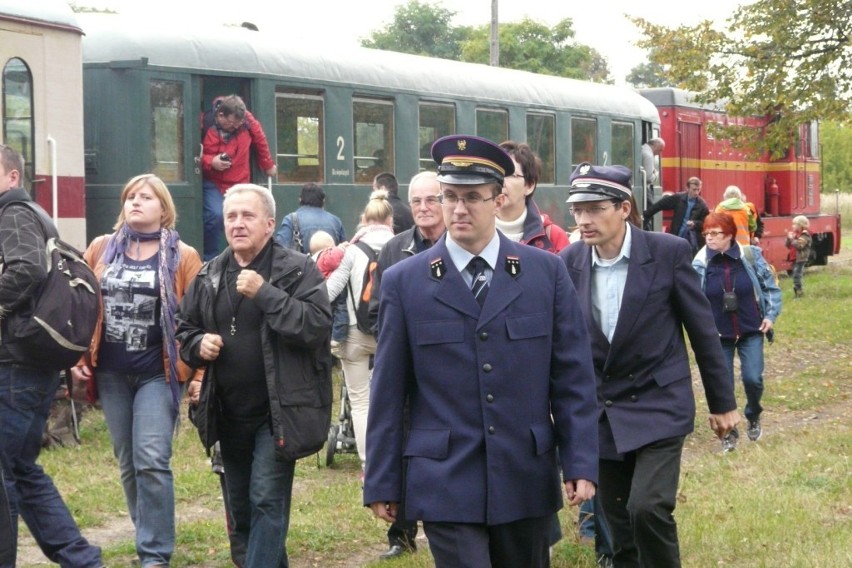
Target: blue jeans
25 397
141 418
750 349
214 223
259 491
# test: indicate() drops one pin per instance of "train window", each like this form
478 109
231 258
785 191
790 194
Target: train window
541 138
373 127
18 123
812 147
623 140
299 131
167 156
492 124
436 120
583 141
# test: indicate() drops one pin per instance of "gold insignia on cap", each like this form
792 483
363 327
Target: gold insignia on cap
584 169
462 144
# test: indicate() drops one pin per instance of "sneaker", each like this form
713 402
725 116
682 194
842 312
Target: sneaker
729 442
755 431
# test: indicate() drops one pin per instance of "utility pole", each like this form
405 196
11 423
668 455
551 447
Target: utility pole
495 36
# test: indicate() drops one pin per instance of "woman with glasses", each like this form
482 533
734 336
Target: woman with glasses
376 230
519 218
746 301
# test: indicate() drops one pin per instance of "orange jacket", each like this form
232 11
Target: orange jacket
190 264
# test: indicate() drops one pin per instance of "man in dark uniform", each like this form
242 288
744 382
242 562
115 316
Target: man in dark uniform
638 291
482 337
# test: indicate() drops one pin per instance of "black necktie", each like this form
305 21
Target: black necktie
479 285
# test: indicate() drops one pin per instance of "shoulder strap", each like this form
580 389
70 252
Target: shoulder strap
367 249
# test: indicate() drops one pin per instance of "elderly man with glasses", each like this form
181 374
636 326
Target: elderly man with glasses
639 292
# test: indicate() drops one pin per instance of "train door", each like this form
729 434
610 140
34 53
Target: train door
689 152
212 87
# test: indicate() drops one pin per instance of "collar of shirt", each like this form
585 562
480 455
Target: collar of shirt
461 258
624 253
732 253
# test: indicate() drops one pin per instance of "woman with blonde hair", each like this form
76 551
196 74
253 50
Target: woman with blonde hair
376 230
133 364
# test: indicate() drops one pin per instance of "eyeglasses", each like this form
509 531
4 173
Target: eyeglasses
429 201
713 234
592 212
470 200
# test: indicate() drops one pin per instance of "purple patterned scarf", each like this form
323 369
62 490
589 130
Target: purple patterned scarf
169 260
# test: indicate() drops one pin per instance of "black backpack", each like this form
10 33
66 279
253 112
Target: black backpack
362 306
58 328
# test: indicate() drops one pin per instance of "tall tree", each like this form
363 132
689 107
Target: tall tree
421 29
788 59
648 75
533 46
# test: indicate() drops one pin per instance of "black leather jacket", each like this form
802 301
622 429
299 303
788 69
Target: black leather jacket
295 336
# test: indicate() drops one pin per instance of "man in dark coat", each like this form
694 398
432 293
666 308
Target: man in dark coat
257 318
495 367
638 292
689 210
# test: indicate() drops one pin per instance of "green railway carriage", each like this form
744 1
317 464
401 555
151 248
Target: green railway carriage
336 117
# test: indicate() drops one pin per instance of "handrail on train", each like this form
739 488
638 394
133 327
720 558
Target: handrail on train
54 177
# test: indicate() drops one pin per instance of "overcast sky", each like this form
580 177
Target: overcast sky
342 23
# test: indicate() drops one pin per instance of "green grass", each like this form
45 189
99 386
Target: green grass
784 501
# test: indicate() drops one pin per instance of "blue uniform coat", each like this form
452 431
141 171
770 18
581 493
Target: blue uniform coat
644 381
492 394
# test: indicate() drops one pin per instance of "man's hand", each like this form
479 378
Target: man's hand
272 171
210 346
193 391
579 490
219 164
721 424
248 283
385 510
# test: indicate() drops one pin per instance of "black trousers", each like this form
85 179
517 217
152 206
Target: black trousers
511 545
638 496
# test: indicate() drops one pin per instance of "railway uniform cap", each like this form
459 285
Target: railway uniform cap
599 183
470 160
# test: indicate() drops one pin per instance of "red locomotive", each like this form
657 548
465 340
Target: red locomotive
780 189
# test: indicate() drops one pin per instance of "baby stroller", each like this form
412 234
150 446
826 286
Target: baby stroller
341 436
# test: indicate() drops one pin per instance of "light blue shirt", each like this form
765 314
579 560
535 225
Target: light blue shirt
461 258
608 280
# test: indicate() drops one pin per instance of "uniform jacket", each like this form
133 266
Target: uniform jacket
238 146
295 336
188 267
644 382
492 393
